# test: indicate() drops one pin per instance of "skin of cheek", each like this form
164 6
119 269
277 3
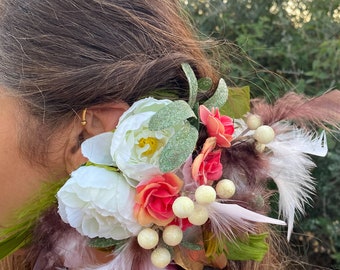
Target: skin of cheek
20 180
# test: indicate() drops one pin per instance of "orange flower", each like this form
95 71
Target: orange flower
207 165
154 199
218 126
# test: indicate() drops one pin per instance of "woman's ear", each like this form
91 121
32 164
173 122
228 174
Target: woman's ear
102 118
92 121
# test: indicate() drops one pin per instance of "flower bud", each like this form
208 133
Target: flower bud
199 216
160 257
183 207
225 189
172 235
260 147
253 121
205 194
148 238
264 134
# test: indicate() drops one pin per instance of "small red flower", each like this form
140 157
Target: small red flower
183 223
207 165
154 199
221 127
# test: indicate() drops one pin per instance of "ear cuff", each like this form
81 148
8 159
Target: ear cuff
83 117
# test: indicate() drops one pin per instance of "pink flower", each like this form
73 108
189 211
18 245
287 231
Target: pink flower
218 126
154 199
183 223
207 165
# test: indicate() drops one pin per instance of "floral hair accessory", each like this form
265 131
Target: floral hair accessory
141 181
183 183
150 182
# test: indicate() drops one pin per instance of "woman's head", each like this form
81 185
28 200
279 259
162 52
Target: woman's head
59 57
62 56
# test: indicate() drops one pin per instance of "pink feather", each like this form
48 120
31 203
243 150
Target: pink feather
57 245
321 110
131 256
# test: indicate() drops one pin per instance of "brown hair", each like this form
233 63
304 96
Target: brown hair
62 56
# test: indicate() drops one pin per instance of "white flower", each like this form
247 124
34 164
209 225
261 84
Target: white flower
135 149
98 203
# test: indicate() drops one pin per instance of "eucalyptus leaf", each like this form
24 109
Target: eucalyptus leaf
204 84
238 103
220 96
100 242
171 115
253 248
193 84
179 148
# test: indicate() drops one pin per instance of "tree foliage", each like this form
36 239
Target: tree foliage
298 41
278 46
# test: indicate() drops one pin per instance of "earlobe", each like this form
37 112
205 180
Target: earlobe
102 118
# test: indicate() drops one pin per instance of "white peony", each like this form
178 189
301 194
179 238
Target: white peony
135 149
98 203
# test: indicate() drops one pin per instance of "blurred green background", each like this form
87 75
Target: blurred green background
280 46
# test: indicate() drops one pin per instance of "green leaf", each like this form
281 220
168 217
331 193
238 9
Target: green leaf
18 234
253 248
204 84
99 242
171 115
220 96
191 246
163 94
179 148
14 242
194 121
238 103
193 84
107 167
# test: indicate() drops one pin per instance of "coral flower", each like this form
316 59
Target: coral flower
154 199
218 126
207 165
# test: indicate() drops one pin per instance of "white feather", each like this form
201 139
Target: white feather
227 218
304 141
289 167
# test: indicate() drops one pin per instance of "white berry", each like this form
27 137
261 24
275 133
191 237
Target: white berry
160 257
199 216
205 194
253 121
260 147
183 207
148 238
264 134
225 189
172 235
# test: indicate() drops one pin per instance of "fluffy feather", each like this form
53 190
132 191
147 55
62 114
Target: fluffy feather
318 110
227 218
56 244
243 163
131 256
290 167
